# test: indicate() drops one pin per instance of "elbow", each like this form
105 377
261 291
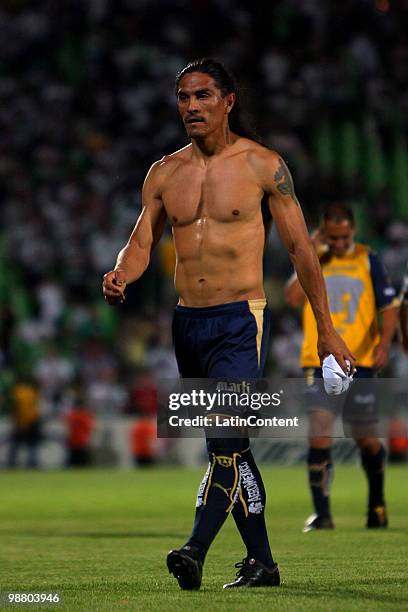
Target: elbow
144 257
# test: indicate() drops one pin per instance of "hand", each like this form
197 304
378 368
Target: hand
332 343
381 353
113 286
319 242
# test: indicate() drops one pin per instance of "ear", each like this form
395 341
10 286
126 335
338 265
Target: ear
229 102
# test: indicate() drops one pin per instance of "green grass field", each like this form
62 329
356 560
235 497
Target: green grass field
101 538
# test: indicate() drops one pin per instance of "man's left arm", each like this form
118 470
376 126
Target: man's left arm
275 180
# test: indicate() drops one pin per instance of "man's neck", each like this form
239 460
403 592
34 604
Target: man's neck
213 144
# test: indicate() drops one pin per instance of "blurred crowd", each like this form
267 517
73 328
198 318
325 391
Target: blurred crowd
87 104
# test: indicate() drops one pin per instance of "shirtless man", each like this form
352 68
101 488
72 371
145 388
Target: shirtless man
217 192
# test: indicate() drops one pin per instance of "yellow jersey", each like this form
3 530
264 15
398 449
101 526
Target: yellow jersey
357 287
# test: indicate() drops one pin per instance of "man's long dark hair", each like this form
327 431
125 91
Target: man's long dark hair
238 119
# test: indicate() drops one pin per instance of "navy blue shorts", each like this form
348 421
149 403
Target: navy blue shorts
358 404
228 341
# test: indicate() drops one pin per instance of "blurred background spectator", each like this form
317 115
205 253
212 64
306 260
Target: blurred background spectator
80 424
398 440
143 439
87 104
26 424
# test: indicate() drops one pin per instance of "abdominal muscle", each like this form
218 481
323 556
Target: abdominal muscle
218 264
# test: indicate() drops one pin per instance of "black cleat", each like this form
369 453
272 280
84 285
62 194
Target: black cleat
377 518
314 521
185 564
253 573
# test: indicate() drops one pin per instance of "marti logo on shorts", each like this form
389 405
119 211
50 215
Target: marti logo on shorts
241 387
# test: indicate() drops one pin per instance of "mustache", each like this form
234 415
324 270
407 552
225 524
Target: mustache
194 119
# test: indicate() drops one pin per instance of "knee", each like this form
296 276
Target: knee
369 446
321 428
319 442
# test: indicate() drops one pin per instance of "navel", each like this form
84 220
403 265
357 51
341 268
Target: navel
201 280
175 219
235 212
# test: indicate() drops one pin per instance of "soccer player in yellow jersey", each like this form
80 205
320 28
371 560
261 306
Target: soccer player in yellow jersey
358 291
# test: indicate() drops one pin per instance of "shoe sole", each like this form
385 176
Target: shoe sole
184 570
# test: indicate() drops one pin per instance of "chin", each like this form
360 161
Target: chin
196 130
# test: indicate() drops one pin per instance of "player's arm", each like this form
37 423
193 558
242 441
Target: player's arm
387 305
134 258
404 324
403 313
294 294
388 327
276 181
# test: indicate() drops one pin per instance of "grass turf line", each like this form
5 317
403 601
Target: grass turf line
101 538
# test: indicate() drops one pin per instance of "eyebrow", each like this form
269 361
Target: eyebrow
197 91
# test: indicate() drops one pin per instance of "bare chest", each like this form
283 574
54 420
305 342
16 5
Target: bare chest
225 193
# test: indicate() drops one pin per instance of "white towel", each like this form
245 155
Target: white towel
335 380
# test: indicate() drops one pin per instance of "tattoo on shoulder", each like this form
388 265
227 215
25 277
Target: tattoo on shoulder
284 182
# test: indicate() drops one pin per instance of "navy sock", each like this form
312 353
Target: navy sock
320 469
373 465
249 511
216 497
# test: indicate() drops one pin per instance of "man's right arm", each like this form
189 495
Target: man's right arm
134 258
